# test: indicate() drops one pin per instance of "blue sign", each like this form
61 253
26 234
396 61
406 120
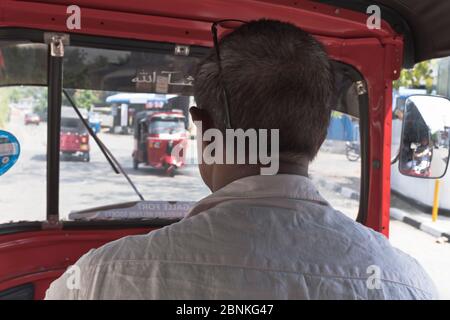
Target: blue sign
9 151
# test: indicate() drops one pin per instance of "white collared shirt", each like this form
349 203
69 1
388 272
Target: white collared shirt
260 237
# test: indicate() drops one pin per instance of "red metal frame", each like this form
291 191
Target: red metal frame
42 256
376 54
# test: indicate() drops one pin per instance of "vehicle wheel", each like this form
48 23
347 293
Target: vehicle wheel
171 171
135 164
86 157
352 154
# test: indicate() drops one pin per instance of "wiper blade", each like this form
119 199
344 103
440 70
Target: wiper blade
115 165
100 144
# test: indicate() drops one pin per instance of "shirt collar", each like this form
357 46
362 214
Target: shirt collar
262 186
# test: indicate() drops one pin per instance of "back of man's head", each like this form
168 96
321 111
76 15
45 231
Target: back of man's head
277 77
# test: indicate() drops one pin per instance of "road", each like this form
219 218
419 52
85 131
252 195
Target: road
86 185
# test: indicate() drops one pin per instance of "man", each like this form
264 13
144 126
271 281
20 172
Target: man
257 236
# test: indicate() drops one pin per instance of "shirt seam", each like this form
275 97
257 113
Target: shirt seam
254 268
220 202
318 201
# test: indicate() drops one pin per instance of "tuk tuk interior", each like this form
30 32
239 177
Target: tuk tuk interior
366 61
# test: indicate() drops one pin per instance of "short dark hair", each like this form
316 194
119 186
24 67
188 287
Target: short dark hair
277 77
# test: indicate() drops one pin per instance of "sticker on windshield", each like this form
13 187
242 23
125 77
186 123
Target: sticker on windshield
9 151
162 84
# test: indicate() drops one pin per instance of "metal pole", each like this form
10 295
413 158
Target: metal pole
434 214
56 44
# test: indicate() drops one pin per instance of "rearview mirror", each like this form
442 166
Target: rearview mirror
424 150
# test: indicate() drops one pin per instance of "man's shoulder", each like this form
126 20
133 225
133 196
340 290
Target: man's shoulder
393 265
129 248
108 261
163 244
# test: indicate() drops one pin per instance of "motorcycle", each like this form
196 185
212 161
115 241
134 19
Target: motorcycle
353 150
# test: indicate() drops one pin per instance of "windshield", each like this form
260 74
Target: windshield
72 124
120 94
22 63
166 125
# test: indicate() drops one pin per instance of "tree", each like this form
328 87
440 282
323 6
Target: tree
38 95
41 101
419 76
86 98
4 106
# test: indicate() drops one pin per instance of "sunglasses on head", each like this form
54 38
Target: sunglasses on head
225 95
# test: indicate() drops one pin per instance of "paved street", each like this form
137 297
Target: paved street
434 257
86 185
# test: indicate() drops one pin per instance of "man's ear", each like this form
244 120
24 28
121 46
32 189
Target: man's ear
201 116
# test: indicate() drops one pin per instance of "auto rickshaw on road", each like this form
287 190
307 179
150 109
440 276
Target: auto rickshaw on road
74 141
148 46
161 141
31 118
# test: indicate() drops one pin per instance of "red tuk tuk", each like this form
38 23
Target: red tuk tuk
366 61
161 141
74 139
31 118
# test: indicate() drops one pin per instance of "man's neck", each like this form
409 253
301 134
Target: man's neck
227 173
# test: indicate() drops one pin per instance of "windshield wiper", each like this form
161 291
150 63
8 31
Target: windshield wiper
115 165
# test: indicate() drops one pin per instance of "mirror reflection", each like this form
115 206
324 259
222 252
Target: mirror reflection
425 137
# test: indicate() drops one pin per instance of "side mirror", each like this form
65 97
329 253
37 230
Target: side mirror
424 150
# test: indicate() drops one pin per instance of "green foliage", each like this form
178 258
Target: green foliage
40 101
38 96
4 106
336 114
420 75
86 98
